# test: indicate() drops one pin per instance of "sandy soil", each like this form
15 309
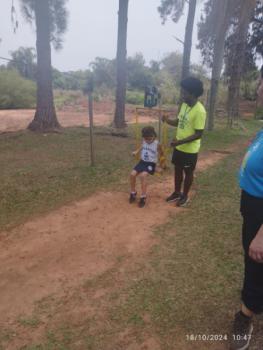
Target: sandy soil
51 254
55 253
15 120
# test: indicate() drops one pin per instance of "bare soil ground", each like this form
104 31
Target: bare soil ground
14 120
52 255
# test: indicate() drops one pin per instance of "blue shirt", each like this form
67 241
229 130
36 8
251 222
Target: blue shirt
251 171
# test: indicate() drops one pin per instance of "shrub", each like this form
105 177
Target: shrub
135 97
15 91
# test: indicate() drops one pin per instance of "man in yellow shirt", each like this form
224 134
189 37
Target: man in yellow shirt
190 125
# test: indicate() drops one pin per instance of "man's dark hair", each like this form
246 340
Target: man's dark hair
193 85
148 131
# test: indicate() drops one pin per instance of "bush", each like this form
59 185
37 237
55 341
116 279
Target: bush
135 97
15 91
64 98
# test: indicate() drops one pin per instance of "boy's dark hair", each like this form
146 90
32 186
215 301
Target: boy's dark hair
148 131
193 85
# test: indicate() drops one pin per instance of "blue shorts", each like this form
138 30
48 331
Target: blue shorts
142 166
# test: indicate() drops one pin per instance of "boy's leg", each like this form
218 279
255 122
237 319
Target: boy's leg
133 181
143 177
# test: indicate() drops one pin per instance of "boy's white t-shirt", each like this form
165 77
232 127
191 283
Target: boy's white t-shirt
149 152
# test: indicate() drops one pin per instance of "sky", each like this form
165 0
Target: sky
92 32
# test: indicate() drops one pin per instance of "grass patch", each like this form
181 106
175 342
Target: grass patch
192 279
40 172
196 274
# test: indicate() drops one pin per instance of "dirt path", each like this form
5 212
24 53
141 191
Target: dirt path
15 120
51 254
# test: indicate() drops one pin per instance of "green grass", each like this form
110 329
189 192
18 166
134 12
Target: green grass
42 172
191 280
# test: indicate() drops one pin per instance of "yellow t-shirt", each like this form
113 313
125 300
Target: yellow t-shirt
190 120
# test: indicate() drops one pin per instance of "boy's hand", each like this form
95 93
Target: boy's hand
134 153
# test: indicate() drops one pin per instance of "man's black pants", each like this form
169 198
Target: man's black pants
252 292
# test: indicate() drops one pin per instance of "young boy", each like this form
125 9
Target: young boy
150 151
190 126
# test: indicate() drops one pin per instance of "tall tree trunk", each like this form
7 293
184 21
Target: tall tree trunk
45 118
220 14
246 11
188 38
119 118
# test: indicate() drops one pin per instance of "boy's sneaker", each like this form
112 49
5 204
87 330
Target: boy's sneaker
132 198
182 201
241 333
142 202
173 197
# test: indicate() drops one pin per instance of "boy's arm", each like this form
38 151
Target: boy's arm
137 151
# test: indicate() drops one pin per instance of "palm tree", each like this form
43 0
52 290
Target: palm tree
121 61
174 9
50 18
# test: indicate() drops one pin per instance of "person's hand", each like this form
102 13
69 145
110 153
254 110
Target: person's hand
164 118
256 249
134 153
174 143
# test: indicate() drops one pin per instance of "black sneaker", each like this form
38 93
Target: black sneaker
142 202
132 198
182 202
173 197
241 333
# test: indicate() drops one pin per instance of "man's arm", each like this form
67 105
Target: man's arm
196 136
172 122
256 247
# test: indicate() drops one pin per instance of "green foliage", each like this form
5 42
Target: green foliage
135 97
15 91
58 18
104 72
172 8
24 60
66 98
139 75
248 88
70 80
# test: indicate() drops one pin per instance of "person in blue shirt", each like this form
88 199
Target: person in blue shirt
251 183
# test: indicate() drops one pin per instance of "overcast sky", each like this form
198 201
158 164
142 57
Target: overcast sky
92 32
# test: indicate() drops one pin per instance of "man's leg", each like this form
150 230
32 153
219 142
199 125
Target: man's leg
252 292
178 178
188 180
